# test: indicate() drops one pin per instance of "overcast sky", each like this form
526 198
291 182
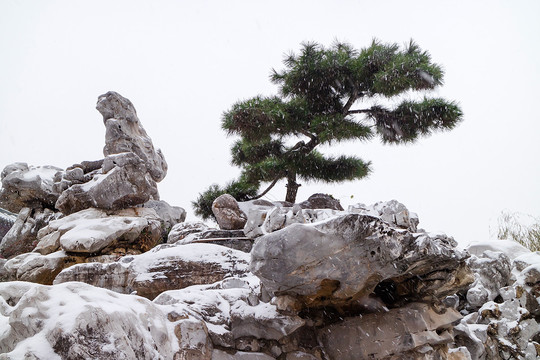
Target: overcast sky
182 63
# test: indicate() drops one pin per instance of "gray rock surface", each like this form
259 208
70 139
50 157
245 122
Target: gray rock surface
228 214
321 201
125 134
349 257
393 212
165 267
29 186
168 215
22 236
408 333
124 182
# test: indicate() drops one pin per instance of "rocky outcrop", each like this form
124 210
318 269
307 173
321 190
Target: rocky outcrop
7 219
124 133
166 267
29 186
321 201
349 257
22 236
123 182
227 213
507 324
169 216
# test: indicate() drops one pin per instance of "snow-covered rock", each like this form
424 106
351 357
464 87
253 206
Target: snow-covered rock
22 236
30 186
123 182
166 267
7 219
338 261
79 321
168 215
392 212
125 133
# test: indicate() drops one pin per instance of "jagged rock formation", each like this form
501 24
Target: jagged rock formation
7 219
125 179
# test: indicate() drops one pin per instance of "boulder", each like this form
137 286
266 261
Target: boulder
7 219
168 215
79 321
123 182
491 271
29 186
233 239
228 214
346 258
165 267
321 201
415 331
233 313
393 212
181 230
125 133
92 231
22 236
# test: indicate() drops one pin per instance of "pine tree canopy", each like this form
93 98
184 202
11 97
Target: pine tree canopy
321 92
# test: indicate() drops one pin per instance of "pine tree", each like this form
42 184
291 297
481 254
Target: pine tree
319 92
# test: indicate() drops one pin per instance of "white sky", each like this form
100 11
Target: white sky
182 63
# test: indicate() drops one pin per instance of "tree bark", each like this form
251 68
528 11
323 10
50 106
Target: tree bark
292 187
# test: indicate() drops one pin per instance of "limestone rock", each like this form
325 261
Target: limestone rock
168 215
165 267
181 230
125 134
348 257
492 271
7 219
29 186
233 239
76 321
124 182
94 231
231 311
228 214
321 201
409 332
22 237
393 212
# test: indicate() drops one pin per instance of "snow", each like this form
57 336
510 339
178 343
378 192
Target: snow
511 248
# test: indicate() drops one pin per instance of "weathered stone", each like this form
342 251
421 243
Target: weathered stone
165 267
124 182
393 212
491 271
125 134
93 231
194 341
7 219
383 334
22 237
321 201
78 321
181 230
29 186
346 258
233 239
168 215
228 214
37 268
240 355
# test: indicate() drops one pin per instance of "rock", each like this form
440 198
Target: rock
194 340
124 182
94 231
22 237
181 230
228 214
406 332
491 271
168 215
240 355
165 267
7 219
37 268
348 257
233 239
321 201
125 134
266 220
29 186
228 309
78 321
393 212
510 248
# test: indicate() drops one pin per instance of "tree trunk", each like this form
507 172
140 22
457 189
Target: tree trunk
292 187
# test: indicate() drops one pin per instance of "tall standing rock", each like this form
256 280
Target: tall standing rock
126 134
